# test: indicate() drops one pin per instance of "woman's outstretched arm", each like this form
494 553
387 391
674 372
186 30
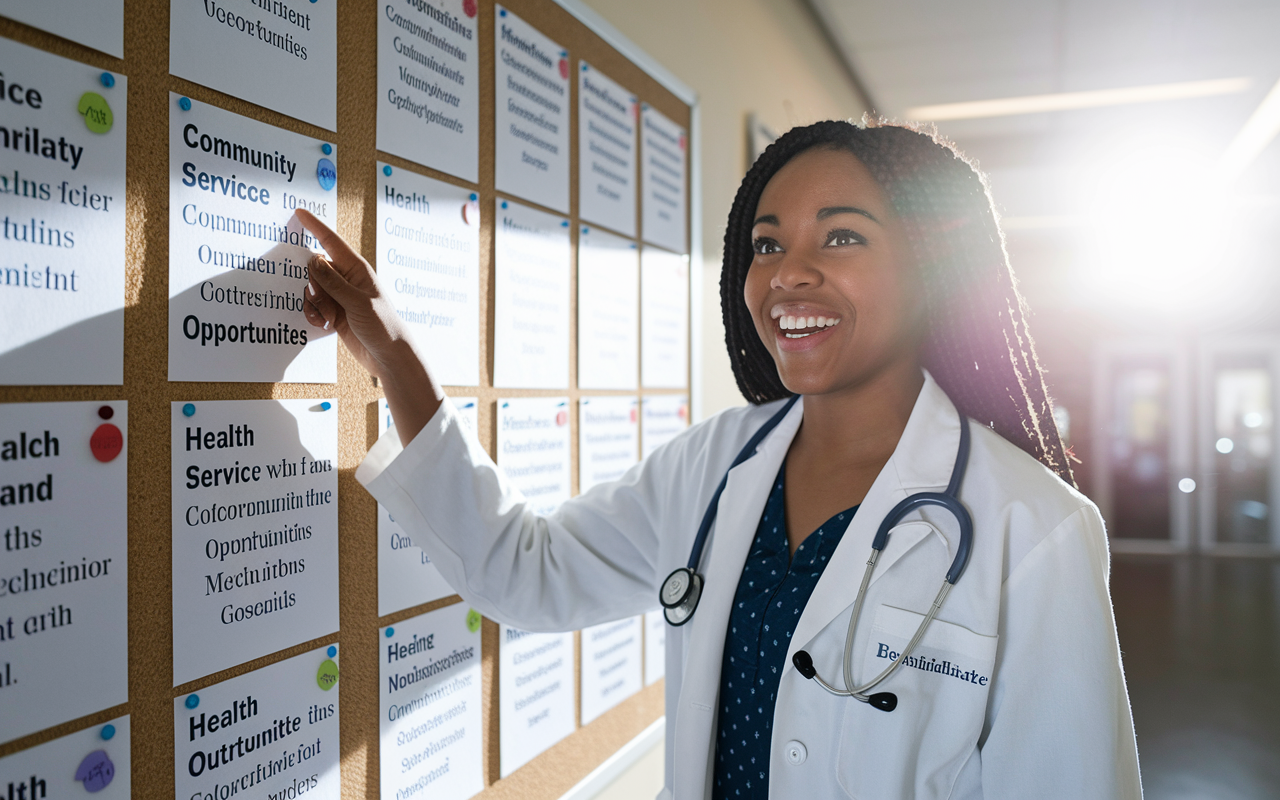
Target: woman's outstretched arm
344 295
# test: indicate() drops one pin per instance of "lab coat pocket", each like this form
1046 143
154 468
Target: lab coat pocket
917 750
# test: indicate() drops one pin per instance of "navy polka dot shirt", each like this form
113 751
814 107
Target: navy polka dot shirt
771 594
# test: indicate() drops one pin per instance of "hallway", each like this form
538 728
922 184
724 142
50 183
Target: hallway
1201 643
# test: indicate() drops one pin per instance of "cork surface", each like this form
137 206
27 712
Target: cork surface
149 394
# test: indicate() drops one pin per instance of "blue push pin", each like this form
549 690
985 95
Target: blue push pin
193 700
184 103
586 230
564 223
326 148
107 732
502 13
387 170
326 405
107 79
189 410
504 203
333 651
391 632
474 197
326 174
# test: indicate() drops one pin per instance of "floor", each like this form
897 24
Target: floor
1201 643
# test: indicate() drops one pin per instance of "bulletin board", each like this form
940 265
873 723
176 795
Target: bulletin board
149 393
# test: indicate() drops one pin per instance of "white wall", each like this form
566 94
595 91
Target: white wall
740 56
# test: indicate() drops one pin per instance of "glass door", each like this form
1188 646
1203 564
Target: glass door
1141 446
1238 448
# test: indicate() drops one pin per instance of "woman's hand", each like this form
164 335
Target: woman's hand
343 295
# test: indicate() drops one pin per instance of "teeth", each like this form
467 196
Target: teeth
798 335
788 322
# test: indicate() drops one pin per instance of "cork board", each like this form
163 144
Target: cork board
149 393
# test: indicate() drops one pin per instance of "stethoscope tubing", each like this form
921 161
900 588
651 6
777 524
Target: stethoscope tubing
747 451
685 584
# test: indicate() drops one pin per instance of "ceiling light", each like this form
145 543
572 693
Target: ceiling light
1070 101
1253 138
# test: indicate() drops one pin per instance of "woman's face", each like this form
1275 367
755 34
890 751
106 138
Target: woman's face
832 291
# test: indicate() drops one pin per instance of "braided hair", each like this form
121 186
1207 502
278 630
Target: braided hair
977 346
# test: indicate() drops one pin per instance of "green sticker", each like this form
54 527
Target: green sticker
327 675
473 620
97 114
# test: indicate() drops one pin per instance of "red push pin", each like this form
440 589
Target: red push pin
107 442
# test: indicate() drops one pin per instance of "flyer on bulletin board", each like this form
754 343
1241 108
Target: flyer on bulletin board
64 587
531 298
531 96
607 116
406 575
62 198
279 54
429 257
255 529
271 733
238 254
429 85
99 24
608 299
430 729
91 762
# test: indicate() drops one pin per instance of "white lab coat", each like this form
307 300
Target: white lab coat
1033 701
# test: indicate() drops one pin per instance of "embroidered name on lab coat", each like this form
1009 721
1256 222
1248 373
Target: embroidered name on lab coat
934 665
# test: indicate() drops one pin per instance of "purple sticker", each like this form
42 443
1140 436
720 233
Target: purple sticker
96 770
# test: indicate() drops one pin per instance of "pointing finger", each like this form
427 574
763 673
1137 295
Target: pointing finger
333 244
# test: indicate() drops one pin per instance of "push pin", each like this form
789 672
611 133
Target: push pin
107 79
386 170
326 174
326 405
326 148
391 632
106 412
332 651
193 700
184 103
189 410
107 732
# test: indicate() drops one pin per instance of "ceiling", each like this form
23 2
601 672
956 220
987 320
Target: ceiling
912 53
1057 176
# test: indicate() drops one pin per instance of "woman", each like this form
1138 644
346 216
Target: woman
864 271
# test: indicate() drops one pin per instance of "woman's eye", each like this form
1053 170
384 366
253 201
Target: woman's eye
764 247
843 238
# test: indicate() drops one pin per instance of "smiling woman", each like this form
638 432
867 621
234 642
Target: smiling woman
870 313
934 243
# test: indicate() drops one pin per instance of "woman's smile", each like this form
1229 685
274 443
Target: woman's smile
802 326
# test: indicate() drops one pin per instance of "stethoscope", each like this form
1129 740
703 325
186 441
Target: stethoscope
682 589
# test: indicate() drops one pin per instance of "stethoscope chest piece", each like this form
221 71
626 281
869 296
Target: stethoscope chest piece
680 594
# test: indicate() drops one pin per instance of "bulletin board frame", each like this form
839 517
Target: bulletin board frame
588 38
